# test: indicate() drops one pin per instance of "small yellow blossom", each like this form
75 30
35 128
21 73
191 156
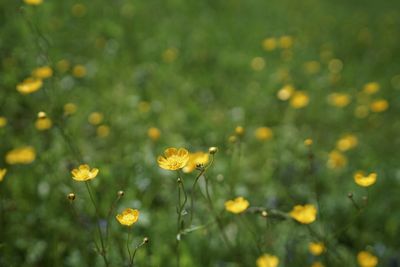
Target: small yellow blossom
29 85
21 155
128 217
263 133
316 248
339 100
299 99
33 2
2 174
195 159
379 105
269 44
347 142
304 214
232 139
70 108
285 42
366 259
257 63
95 118
267 260
103 131
317 264
42 72
336 160
154 133
308 142
43 124
237 205
79 71
371 88
365 180
239 130
3 122
169 55
312 67
84 173
173 159
285 92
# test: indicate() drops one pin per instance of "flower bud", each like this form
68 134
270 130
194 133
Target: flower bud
146 240
264 213
120 193
212 150
42 115
71 196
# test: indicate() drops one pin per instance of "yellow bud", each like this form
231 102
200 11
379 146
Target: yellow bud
212 150
71 196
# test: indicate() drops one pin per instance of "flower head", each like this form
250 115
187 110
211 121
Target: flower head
366 259
339 100
70 108
173 159
365 180
336 160
128 217
2 174
285 92
299 99
304 214
3 122
267 260
317 264
347 142
29 85
43 124
263 133
84 173
154 133
379 105
21 155
95 118
316 248
33 2
196 159
42 72
237 205
371 88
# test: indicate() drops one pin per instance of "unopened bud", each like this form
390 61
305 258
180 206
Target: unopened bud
120 193
146 240
71 196
264 213
212 150
42 115
179 180
350 195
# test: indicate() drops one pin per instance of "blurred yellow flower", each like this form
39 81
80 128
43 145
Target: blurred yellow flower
103 131
154 133
336 160
21 155
144 106
263 133
63 65
339 100
285 92
43 124
366 259
42 72
3 122
312 67
29 85
95 118
347 142
79 71
316 248
84 173
304 214
257 63
237 205
317 264
239 130
195 159
267 260
2 174
33 2
269 44
70 108
308 142
169 55
299 99
379 105
173 159
371 88
285 41
128 217
365 180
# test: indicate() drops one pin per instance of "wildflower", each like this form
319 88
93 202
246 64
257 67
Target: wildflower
317 264
128 217
3 122
173 159
347 142
312 67
70 108
33 2
299 99
29 85
2 174
308 142
84 173
95 118
257 63
239 130
339 100
237 205
366 259
42 124
153 133
269 44
304 214
232 139
316 248
263 133
212 150
371 88
79 71
194 160
103 131
21 155
379 105
169 55
336 160
365 180
267 260
42 72
286 41
285 92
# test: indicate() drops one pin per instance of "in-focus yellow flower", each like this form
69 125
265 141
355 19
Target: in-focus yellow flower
70 108
95 118
103 131
84 173
316 248
263 133
154 133
169 55
347 142
43 124
317 264
336 160
29 85
365 180
366 259
269 44
195 159
2 174
128 217
257 63
304 214
42 72
285 92
33 2
312 67
286 42
267 260
173 159
299 99
371 88
237 205
21 155
3 122
379 105
79 71
339 100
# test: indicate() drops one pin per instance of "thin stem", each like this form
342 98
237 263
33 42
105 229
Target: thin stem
193 195
110 212
128 246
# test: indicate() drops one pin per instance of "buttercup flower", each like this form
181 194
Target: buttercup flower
29 85
267 260
317 264
33 2
42 72
316 248
366 259
263 133
339 100
195 159
84 173
170 54
153 133
103 131
128 217
70 108
3 122
304 214
299 100
79 71
95 118
285 92
21 155
285 41
365 180
43 124
257 63
237 205
336 160
2 174
173 159
347 142
371 88
312 67
379 105
269 44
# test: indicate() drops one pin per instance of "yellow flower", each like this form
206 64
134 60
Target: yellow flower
263 133
239 130
195 159
103 131
70 108
95 118
316 248
269 44
312 67
237 205
267 260
299 100
363 180
347 142
285 41
42 72
336 160
128 217
317 264
339 100
79 71
2 174
3 122
144 106
371 88
33 2
304 214
366 259
170 54
173 159
29 85
257 63
285 92
308 142
154 133
84 173
43 124
21 155
379 105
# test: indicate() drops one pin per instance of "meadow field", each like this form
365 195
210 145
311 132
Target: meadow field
202 133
